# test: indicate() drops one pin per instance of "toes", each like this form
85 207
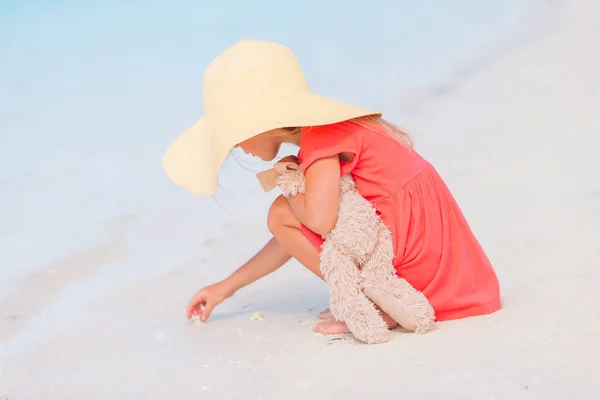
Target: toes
325 315
389 321
331 328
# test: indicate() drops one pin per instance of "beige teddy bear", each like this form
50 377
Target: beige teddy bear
356 262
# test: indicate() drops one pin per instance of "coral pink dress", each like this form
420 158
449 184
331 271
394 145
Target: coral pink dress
435 249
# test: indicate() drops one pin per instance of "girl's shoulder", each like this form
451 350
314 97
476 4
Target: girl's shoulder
331 131
324 141
337 135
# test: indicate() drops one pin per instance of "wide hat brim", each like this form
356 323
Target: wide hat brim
194 158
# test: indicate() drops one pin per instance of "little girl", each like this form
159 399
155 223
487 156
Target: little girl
256 98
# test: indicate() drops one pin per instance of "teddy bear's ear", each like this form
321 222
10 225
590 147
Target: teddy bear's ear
268 179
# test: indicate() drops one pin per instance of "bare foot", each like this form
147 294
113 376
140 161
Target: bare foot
325 315
332 327
391 324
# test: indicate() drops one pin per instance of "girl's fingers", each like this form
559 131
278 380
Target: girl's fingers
208 307
195 306
190 310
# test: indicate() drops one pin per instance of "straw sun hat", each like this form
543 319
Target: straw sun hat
252 87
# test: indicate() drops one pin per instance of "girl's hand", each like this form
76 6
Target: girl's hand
203 302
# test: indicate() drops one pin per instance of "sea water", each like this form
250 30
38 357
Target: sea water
91 94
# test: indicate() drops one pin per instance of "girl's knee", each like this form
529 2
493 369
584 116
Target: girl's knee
280 215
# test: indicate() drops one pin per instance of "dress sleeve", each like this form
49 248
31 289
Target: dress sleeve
329 140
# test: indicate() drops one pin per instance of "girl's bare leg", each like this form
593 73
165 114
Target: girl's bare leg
285 227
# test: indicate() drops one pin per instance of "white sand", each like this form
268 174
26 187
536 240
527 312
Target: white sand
518 142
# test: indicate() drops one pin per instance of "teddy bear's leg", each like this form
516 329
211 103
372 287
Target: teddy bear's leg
403 303
394 295
348 303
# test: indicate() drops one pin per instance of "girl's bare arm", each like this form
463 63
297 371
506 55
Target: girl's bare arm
318 208
268 259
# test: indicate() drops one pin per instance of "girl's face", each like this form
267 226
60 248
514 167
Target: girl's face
266 145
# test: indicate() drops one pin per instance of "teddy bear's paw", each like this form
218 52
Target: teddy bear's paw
291 183
365 322
401 301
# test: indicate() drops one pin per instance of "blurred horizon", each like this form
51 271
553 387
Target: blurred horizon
92 93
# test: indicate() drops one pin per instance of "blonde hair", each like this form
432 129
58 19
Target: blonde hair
377 124
373 123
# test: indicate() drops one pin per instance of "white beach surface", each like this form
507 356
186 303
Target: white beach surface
518 142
